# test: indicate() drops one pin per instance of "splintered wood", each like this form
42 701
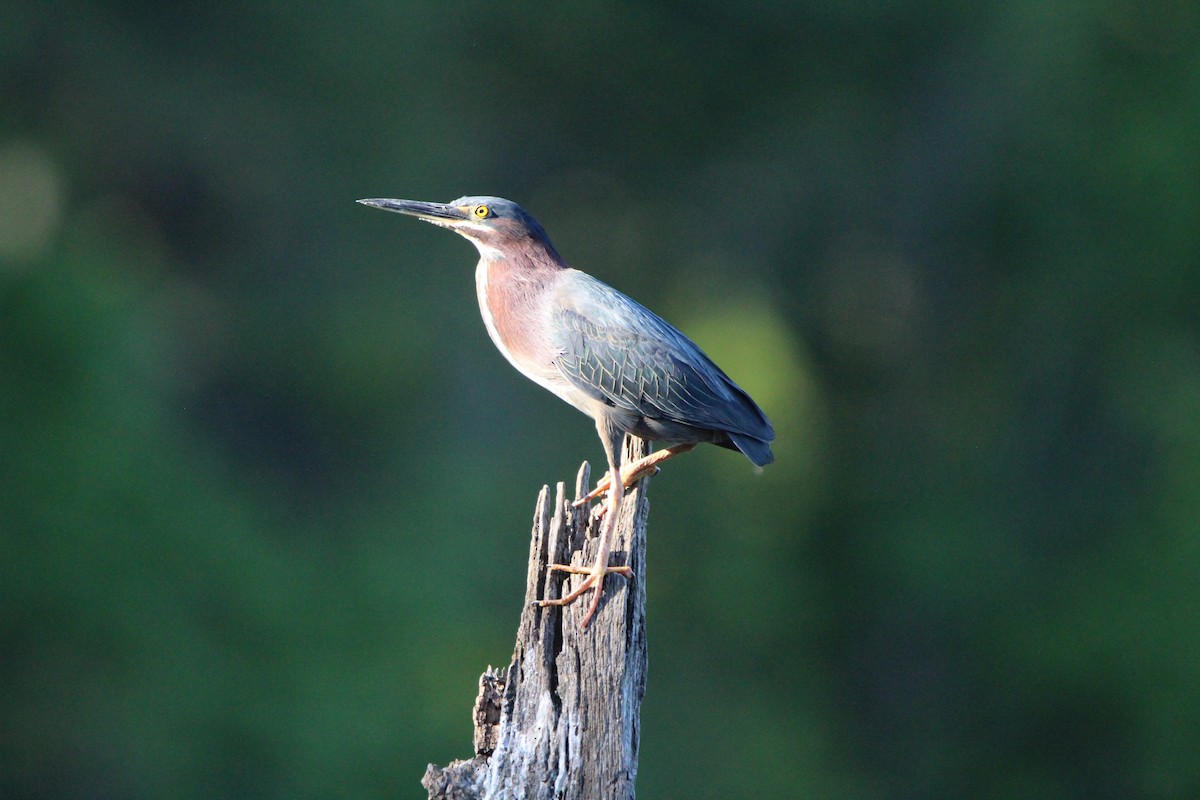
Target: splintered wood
562 720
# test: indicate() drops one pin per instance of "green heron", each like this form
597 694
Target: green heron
608 356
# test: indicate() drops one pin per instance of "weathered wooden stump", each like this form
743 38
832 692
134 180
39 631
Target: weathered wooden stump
562 720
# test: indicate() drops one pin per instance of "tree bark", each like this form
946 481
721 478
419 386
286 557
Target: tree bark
562 720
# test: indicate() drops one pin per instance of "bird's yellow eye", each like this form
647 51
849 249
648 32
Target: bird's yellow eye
482 212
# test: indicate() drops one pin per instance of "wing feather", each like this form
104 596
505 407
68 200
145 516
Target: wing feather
621 353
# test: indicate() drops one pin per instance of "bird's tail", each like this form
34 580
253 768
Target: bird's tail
754 449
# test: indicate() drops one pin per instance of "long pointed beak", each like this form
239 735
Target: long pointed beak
437 213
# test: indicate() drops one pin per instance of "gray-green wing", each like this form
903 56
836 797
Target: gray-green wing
622 353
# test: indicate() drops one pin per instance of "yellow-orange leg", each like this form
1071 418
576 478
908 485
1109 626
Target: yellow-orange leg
594 582
598 570
632 473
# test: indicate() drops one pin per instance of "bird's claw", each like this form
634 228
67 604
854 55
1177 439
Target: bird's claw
628 478
601 487
595 582
626 570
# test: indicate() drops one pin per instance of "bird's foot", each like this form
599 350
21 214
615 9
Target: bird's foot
630 474
634 472
594 581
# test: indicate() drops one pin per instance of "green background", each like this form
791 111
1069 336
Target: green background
265 486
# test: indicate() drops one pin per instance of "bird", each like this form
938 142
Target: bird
603 353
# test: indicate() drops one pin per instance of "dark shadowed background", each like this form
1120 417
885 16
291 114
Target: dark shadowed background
265 485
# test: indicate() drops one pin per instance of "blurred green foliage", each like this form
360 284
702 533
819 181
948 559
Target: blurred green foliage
265 485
